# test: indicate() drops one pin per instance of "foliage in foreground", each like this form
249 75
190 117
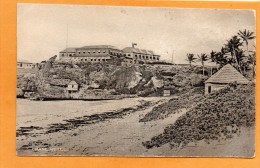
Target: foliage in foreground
185 100
218 116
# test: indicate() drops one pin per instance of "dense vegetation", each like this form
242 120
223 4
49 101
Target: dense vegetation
218 116
185 100
236 51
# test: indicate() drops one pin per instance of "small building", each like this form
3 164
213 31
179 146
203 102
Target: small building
166 93
72 87
25 64
224 76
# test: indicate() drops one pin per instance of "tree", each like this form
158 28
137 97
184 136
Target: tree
252 60
241 60
202 58
219 58
246 35
191 58
233 46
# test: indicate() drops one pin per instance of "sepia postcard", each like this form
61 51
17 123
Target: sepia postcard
135 81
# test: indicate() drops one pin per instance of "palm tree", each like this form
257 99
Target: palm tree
202 58
233 46
242 62
246 35
252 60
219 58
191 58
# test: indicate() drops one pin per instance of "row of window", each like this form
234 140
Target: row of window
111 53
94 51
92 59
22 65
69 54
146 57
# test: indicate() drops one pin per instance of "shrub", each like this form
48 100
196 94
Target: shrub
218 116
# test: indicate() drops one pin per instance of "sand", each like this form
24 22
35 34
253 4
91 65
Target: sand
113 137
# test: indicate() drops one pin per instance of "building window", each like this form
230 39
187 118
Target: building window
129 54
150 57
154 58
81 59
98 59
104 51
143 56
98 51
94 51
62 54
158 59
79 52
86 60
146 57
95 60
70 55
91 59
84 52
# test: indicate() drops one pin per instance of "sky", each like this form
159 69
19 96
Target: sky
44 30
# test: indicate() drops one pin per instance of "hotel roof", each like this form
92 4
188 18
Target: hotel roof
137 50
98 47
69 50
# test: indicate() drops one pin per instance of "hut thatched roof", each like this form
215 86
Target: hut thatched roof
227 74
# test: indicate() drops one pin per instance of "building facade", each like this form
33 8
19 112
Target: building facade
96 53
140 56
105 53
25 64
72 87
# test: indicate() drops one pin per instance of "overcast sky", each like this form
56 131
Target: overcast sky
42 29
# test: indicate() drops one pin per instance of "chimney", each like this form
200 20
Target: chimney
133 45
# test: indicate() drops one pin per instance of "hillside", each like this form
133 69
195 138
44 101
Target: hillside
51 78
218 116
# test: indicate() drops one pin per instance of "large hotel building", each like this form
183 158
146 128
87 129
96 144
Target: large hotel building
104 53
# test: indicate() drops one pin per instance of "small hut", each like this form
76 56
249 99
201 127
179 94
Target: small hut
72 87
166 93
224 76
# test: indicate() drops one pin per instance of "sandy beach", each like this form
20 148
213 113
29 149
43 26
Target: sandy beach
118 136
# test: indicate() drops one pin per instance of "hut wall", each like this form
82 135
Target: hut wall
211 87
